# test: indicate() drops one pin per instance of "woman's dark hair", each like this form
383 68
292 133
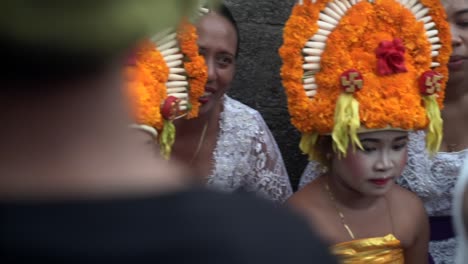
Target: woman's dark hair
224 11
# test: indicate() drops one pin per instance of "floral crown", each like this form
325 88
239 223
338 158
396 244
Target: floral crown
351 66
165 80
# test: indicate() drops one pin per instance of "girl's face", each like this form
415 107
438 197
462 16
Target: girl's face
217 40
457 15
373 169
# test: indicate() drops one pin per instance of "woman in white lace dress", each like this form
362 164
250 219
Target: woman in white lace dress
228 145
433 178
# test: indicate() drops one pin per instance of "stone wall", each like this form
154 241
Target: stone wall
257 81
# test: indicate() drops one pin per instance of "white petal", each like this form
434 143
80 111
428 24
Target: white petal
309 80
170 52
319 38
309 74
341 6
348 4
426 19
434 53
323 32
435 64
434 40
410 3
166 39
183 107
429 25
421 13
436 46
311 94
161 34
177 77
329 11
204 10
432 33
315 45
168 45
325 25
171 58
173 84
335 8
311 66
179 95
415 9
328 19
174 63
404 2
176 70
311 86
312 59
176 90
312 51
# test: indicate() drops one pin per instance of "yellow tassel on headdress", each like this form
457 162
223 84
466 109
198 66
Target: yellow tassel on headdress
434 130
167 138
346 123
307 145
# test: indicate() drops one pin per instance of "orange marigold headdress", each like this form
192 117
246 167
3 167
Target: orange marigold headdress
166 79
351 65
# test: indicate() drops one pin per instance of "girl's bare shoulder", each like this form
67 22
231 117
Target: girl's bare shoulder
309 197
408 213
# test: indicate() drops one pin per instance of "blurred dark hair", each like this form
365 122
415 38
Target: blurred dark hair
224 11
40 63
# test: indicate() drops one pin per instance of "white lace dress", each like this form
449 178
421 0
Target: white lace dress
246 155
432 179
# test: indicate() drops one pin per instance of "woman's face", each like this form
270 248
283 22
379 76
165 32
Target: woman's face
217 40
457 14
372 170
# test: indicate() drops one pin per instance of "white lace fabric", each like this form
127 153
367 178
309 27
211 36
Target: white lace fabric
247 156
431 178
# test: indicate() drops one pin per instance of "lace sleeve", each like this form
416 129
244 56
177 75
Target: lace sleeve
311 172
417 176
268 175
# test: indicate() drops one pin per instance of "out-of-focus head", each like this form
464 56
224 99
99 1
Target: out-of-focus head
218 41
457 15
460 214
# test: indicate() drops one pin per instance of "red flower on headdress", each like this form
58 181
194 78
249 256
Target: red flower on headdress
390 57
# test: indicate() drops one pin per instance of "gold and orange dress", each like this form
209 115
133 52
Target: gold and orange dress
376 250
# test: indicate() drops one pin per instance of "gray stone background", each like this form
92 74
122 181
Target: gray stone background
257 82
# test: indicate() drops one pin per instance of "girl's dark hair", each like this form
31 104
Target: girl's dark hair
224 11
324 147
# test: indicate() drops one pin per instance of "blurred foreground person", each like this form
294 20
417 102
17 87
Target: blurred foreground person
460 215
75 184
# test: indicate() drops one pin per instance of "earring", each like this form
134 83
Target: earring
324 169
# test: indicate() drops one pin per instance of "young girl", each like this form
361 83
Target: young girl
359 76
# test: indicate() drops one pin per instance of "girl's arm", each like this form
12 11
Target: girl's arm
418 251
